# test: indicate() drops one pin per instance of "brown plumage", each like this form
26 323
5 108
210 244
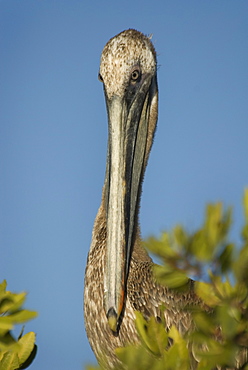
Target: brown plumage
143 294
118 278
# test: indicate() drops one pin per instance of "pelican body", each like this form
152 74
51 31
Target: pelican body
118 278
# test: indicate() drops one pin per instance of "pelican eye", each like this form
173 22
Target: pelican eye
100 77
135 75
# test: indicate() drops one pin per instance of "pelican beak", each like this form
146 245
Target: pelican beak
128 120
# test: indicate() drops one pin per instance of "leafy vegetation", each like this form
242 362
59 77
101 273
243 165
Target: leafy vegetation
15 353
221 268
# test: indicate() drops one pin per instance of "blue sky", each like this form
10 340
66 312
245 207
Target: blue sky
53 137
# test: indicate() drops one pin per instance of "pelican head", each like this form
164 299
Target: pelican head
128 71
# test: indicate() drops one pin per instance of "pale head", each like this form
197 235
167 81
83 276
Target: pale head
121 56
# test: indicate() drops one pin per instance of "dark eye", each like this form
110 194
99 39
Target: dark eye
100 77
135 75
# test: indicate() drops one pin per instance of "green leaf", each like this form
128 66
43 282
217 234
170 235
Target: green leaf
227 321
5 325
204 323
181 236
245 202
169 277
240 265
225 257
27 343
9 361
207 293
3 286
161 247
181 345
8 342
217 354
12 302
136 357
18 317
141 326
152 334
200 246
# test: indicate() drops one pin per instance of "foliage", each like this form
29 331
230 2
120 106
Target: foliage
221 268
15 353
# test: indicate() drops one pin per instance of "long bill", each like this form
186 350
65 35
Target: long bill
127 146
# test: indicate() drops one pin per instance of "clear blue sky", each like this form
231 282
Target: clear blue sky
53 135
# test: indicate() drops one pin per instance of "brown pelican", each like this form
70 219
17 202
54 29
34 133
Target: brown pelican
118 278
